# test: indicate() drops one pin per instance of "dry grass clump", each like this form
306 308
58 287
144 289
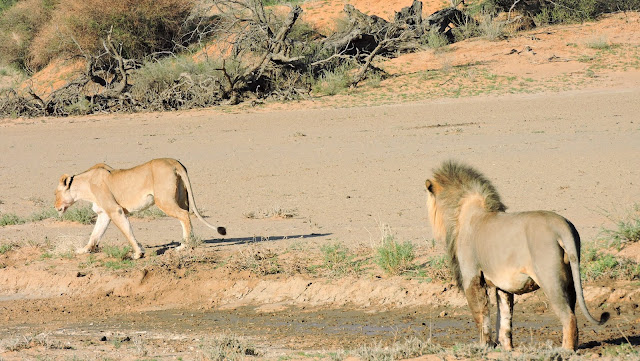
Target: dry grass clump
259 260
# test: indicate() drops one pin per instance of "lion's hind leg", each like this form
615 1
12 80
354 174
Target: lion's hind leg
558 287
504 301
478 300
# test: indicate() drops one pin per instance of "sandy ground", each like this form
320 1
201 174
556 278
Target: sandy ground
344 170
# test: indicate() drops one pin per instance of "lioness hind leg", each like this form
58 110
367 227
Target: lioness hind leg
504 301
175 211
478 301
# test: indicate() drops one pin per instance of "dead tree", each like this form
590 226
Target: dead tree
260 44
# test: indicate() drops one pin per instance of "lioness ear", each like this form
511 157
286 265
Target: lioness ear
65 180
429 186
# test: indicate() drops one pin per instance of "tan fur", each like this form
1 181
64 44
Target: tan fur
117 192
513 252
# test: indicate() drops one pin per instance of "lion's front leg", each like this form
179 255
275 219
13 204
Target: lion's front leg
476 293
504 302
102 222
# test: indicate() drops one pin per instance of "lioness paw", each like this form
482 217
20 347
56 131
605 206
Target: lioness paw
83 250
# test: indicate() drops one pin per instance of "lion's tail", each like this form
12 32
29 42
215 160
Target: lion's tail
182 172
571 245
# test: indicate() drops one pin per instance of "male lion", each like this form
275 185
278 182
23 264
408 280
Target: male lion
117 192
514 252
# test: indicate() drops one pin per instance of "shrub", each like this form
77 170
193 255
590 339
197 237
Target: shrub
393 257
572 11
332 82
18 27
436 39
491 28
176 83
142 27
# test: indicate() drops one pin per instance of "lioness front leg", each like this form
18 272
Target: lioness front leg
122 222
102 222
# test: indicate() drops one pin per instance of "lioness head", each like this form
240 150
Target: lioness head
64 199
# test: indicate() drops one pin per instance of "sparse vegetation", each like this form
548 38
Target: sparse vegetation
435 270
436 39
149 213
83 215
627 229
395 258
334 81
6 248
406 349
596 264
228 348
261 261
10 219
119 253
338 260
275 212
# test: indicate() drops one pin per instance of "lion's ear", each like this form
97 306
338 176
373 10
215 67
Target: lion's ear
65 180
429 185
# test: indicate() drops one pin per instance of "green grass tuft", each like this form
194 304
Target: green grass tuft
627 229
395 258
339 261
10 219
83 215
596 265
119 253
6 248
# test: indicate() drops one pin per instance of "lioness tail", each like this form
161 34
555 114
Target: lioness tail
182 172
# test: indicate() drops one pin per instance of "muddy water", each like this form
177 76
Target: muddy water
179 332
